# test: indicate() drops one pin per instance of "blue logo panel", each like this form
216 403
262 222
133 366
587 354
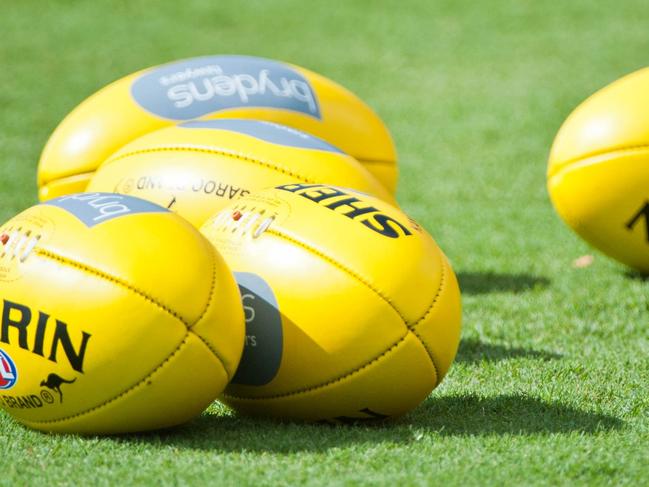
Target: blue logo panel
196 87
95 208
268 131
262 354
8 371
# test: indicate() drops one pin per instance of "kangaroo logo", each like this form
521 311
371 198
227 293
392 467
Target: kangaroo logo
54 382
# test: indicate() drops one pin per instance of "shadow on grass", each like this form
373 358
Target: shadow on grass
468 415
508 415
636 276
473 351
492 282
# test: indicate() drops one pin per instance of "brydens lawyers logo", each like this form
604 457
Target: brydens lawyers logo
8 372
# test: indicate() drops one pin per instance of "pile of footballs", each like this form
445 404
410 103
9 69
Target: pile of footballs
226 228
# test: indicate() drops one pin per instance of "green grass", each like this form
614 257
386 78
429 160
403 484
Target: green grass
550 384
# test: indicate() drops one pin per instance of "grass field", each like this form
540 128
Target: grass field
551 381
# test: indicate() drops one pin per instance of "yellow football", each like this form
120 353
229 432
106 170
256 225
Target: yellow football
117 316
206 88
198 167
352 310
598 173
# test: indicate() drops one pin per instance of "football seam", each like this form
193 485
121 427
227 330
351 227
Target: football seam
124 392
91 270
46 182
344 268
234 155
381 295
375 161
212 289
590 155
103 275
205 310
442 284
342 378
364 281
